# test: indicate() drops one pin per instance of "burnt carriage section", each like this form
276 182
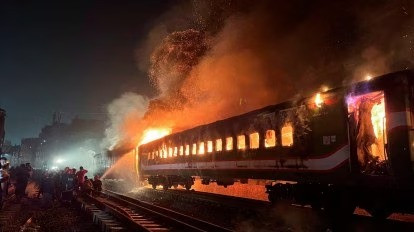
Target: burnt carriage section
252 145
348 143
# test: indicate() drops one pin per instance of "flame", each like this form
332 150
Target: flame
318 100
378 122
152 134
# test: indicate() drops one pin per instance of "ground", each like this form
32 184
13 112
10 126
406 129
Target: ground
28 215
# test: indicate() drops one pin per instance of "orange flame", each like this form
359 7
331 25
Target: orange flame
152 134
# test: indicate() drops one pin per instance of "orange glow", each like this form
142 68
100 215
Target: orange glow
152 134
201 148
254 140
378 122
187 149
170 151
241 142
287 135
270 140
219 145
175 151
209 146
181 150
318 100
229 143
194 151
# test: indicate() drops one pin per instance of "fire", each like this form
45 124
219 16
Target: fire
318 100
152 134
369 113
378 122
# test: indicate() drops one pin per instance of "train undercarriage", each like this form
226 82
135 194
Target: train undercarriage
171 181
334 199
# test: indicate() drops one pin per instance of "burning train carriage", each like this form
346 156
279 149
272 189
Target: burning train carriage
355 137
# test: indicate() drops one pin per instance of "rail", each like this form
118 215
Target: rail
144 216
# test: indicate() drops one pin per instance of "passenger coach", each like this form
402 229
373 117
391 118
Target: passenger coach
346 147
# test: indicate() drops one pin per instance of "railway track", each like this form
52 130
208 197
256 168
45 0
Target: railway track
213 199
136 215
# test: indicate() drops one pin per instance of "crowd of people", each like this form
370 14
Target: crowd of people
67 184
63 185
20 176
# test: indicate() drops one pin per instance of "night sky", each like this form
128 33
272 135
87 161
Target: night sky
73 58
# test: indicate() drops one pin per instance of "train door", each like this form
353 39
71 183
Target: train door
368 135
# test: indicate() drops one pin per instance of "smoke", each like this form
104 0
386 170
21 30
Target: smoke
247 55
214 59
125 116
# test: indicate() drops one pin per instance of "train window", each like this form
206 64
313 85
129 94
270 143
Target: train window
241 142
187 149
170 151
287 135
201 148
156 154
194 151
254 140
229 143
181 150
209 146
270 138
219 145
175 151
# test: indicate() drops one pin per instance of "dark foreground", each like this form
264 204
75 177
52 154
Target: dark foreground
28 215
283 217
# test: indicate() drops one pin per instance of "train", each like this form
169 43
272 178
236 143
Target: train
347 147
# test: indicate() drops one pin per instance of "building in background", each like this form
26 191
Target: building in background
12 153
29 150
2 131
70 144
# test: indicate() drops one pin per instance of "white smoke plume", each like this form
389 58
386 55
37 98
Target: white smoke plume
124 114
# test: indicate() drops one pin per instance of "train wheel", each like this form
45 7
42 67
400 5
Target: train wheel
154 186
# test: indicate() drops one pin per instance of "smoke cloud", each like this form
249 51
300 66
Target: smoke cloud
228 57
125 115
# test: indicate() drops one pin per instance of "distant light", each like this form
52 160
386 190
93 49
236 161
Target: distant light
325 88
368 77
318 100
59 161
54 168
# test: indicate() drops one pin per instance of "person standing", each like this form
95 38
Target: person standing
87 186
97 185
4 178
4 167
80 176
22 178
47 189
